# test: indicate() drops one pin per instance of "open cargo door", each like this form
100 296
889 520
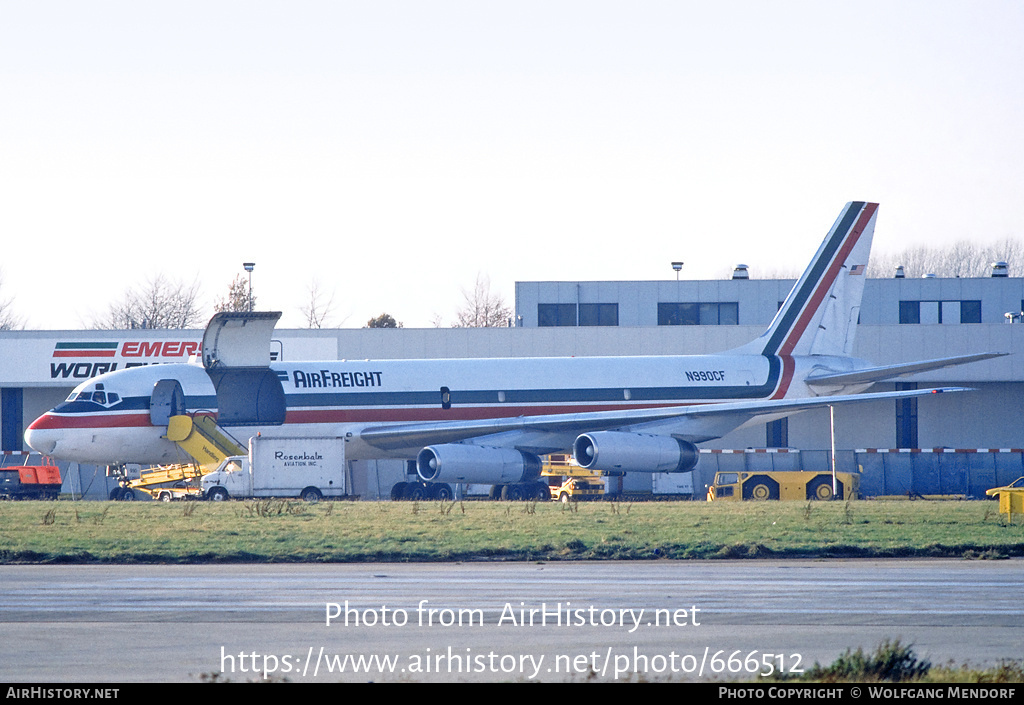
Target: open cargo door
239 339
236 355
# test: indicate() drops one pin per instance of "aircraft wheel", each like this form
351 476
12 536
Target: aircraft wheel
217 494
443 492
416 492
311 494
512 493
115 494
398 491
541 493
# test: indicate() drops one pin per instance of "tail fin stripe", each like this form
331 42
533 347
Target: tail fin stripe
821 277
825 284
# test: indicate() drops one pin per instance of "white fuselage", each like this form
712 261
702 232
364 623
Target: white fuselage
340 398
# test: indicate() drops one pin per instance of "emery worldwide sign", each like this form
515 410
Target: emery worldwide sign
66 358
79 359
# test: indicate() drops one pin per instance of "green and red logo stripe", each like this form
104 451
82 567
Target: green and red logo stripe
85 350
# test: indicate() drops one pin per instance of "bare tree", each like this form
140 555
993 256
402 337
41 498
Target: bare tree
384 320
961 259
482 308
238 297
8 319
159 303
319 307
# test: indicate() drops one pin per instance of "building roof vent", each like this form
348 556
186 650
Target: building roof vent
899 272
1000 269
928 276
740 272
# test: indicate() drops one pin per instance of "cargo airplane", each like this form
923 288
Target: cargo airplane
487 420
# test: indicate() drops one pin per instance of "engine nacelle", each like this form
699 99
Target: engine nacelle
634 452
462 462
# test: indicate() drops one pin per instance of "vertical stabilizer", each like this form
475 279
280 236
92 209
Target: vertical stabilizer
819 317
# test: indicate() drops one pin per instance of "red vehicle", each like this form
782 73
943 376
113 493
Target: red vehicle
30 481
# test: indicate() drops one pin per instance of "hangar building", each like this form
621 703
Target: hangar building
901 320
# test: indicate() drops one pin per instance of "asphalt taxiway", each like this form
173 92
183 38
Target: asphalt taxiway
663 620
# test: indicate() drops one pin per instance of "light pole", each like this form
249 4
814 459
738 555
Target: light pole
677 266
249 267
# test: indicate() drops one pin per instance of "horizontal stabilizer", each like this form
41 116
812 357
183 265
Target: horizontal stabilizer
886 372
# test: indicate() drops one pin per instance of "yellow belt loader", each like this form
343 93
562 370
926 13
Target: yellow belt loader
165 482
205 442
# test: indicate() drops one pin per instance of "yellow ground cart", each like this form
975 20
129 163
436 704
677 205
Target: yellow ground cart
1011 497
568 482
783 484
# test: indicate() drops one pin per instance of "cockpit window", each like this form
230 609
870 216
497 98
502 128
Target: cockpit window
95 394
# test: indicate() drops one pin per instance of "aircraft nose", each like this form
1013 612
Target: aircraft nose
40 438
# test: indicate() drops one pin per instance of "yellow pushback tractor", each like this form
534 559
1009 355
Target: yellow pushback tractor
784 484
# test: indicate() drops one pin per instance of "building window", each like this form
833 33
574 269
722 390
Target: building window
942 312
11 429
728 314
556 315
910 311
549 315
777 433
677 315
970 312
725 313
906 418
599 314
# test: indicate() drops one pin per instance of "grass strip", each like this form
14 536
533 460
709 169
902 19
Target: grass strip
290 531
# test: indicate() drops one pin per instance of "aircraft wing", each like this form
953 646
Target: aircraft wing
886 372
689 418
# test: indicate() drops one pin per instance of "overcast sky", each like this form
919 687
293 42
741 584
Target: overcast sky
393 151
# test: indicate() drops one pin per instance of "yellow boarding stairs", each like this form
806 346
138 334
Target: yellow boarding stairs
205 442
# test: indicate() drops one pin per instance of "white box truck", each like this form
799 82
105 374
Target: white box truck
672 483
305 467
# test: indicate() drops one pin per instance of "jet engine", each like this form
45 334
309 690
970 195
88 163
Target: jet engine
634 452
463 462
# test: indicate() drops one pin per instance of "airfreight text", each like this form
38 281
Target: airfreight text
328 378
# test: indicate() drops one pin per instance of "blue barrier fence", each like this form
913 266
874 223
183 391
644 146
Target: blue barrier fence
883 472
